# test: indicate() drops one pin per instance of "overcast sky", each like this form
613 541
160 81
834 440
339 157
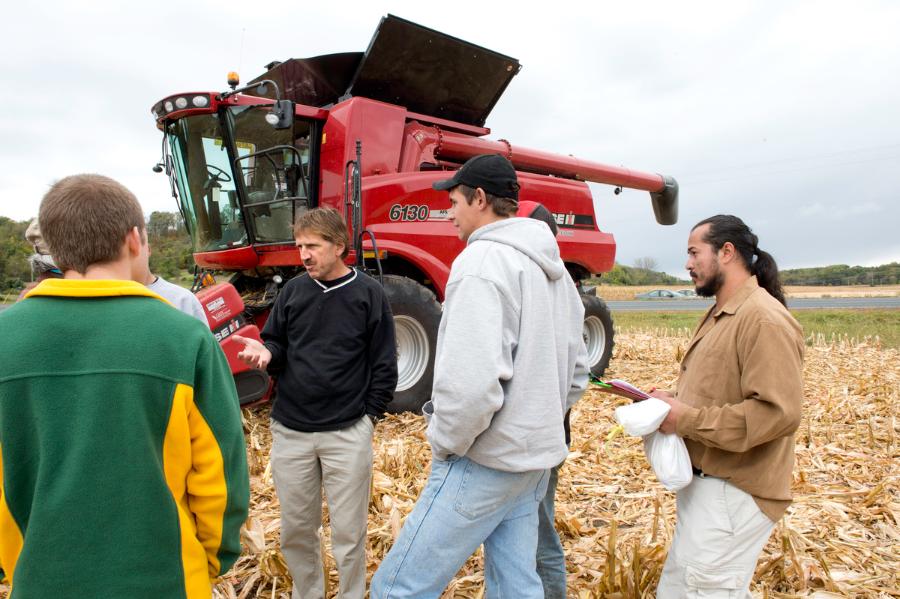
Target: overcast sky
784 113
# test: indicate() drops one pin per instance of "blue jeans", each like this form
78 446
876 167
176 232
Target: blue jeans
551 561
462 506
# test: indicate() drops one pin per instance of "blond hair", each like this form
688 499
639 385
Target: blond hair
327 223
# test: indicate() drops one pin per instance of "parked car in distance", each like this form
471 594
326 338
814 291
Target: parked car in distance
659 294
688 292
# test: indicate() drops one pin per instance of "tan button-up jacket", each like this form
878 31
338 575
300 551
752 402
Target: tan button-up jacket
742 378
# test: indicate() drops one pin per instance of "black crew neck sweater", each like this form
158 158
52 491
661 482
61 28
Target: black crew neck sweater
333 351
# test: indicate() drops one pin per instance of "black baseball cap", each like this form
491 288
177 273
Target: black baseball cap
491 172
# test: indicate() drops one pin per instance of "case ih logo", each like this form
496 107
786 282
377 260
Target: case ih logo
564 219
573 220
227 330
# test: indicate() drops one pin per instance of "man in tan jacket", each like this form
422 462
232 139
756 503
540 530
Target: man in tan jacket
737 405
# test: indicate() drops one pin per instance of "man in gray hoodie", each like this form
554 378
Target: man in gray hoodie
510 361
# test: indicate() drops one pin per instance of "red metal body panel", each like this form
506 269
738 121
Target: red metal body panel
245 258
231 348
224 309
242 258
221 303
432 243
279 255
377 125
436 270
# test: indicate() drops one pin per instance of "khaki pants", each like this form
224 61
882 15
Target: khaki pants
301 464
719 534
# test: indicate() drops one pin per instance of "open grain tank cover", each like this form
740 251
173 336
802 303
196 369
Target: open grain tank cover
432 73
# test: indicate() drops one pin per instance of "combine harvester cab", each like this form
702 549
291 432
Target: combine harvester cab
368 134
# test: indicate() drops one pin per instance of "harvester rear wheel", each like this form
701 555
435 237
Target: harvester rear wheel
598 333
417 315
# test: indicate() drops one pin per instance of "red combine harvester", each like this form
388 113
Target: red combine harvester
367 134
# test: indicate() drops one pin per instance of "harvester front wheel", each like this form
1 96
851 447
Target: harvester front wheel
598 333
417 315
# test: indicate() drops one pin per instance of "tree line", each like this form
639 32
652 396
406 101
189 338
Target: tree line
644 273
171 258
841 274
170 250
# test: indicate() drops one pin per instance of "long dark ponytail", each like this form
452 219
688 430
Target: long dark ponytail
724 228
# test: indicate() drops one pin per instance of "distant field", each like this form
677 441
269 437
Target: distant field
622 292
843 291
840 324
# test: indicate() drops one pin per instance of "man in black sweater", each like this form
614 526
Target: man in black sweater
330 340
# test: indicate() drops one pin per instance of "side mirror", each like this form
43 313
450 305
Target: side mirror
281 115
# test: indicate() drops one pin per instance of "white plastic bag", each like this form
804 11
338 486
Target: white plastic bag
667 453
669 458
642 417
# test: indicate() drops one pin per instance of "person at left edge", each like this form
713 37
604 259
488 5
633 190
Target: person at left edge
178 296
121 446
330 340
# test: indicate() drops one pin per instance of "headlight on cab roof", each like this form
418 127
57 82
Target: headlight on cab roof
166 106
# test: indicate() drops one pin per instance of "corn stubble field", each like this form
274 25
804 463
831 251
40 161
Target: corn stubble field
841 538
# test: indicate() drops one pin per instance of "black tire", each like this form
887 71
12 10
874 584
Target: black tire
417 315
598 333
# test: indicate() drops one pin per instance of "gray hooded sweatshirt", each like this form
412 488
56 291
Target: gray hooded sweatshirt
510 354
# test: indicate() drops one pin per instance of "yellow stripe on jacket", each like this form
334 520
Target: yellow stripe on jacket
195 474
10 535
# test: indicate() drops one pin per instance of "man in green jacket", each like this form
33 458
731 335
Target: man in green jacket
122 455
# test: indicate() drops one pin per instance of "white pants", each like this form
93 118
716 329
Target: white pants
302 463
719 534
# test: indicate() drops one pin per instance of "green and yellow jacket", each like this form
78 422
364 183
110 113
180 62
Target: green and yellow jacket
121 448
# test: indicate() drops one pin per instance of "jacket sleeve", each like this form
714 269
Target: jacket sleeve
772 391
274 333
382 357
475 358
218 484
